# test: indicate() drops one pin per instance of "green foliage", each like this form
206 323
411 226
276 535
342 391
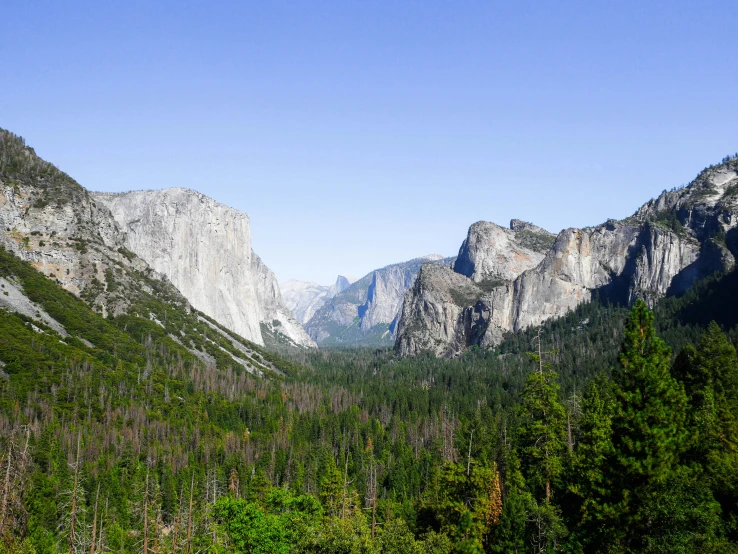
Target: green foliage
539 242
710 376
511 532
651 406
588 482
271 530
542 432
287 461
19 162
683 516
462 505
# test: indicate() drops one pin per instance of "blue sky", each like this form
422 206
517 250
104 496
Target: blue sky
358 134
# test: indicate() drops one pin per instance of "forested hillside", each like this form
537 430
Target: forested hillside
142 433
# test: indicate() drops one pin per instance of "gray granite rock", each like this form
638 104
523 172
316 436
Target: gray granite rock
305 298
204 248
523 278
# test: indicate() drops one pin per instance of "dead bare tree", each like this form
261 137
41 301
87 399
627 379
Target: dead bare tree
73 509
14 467
93 542
189 515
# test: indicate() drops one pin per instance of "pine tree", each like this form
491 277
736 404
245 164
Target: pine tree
710 377
589 487
509 535
648 427
332 487
542 433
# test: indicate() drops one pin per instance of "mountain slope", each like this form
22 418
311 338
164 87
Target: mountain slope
49 220
69 235
664 248
204 249
366 312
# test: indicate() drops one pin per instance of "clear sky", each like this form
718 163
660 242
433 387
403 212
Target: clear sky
358 134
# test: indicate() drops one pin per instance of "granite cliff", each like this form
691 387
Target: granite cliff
188 249
204 249
509 279
49 220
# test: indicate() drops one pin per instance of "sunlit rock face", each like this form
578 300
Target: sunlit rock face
510 279
204 249
51 221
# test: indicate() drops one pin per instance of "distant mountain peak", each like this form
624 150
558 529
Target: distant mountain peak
366 312
304 298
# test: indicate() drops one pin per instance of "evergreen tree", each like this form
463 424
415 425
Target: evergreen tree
648 426
465 505
509 535
589 487
710 377
542 432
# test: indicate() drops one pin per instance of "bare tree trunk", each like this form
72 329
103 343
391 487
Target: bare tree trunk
374 498
6 487
540 355
468 458
189 517
72 522
345 483
548 489
94 522
146 515
102 527
176 522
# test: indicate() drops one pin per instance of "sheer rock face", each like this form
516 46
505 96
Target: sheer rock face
491 252
367 311
385 295
204 248
74 243
435 312
305 298
668 245
273 313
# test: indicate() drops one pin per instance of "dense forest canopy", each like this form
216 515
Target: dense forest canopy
619 433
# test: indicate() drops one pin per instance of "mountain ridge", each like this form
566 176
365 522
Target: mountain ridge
667 245
71 236
204 248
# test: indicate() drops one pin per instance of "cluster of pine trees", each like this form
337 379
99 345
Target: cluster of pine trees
117 439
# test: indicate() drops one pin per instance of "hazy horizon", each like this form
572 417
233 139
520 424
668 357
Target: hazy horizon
359 135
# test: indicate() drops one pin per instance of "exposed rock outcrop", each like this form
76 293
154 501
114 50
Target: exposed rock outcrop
274 315
106 247
204 248
367 311
49 220
491 252
664 248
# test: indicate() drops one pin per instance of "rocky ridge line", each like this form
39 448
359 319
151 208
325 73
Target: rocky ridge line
497 285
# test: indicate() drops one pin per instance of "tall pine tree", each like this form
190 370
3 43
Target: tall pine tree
542 432
648 427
